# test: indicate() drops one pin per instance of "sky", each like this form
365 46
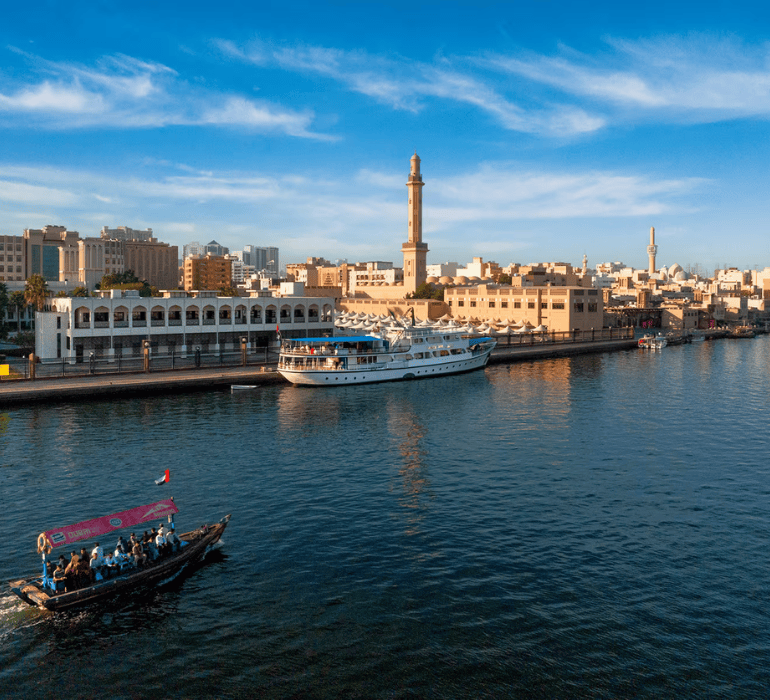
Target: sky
547 130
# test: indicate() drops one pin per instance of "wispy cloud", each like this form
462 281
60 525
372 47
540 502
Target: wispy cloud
121 91
692 78
405 84
369 215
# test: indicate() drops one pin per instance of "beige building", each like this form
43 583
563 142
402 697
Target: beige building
156 262
207 272
12 259
558 308
41 250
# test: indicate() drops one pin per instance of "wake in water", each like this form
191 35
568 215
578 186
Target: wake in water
15 614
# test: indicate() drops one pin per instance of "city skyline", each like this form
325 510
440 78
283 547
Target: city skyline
546 132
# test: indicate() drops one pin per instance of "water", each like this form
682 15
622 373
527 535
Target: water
583 527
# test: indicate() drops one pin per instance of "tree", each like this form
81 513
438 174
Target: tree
80 292
427 291
61 294
125 280
227 291
36 291
504 279
16 299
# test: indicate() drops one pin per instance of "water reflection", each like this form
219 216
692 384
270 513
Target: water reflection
408 433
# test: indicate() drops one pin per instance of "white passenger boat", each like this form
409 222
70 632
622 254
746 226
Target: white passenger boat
399 353
653 342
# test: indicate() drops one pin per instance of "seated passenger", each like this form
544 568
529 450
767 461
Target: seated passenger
173 541
96 567
140 558
59 579
161 544
99 551
110 567
121 545
83 574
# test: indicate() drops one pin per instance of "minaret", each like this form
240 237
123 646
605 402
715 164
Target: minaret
652 250
414 250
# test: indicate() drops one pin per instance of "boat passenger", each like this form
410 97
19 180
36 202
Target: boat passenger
59 579
74 559
110 567
173 540
83 574
121 545
96 567
140 558
161 544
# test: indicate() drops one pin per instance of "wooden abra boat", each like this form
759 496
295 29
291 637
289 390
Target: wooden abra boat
42 590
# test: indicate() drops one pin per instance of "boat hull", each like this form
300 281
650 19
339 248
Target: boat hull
197 544
394 371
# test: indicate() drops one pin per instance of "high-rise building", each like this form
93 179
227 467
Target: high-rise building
207 272
41 250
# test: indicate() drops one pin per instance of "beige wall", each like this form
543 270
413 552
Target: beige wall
558 308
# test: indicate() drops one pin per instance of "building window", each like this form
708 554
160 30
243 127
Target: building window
592 307
503 304
516 304
473 304
579 307
530 304
491 304
543 304
558 305
461 302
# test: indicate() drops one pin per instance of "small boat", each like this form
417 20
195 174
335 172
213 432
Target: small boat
242 387
742 332
401 352
653 342
48 594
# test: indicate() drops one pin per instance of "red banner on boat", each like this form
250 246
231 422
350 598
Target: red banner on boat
101 526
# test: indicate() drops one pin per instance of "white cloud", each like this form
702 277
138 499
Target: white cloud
121 91
405 84
695 78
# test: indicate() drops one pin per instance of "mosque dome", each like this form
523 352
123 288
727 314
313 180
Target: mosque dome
460 279
674 269
681 276
432 280
445 279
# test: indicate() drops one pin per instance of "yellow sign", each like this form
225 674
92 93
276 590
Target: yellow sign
5 370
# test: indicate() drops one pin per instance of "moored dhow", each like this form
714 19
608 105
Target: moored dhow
93 583
404 352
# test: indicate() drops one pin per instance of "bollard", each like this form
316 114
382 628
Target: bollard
32 368
243 351
146 356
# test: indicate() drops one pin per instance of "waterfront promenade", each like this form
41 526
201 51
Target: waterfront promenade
74 388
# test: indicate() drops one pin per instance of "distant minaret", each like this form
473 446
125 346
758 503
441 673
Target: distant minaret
585 264
414 250
652 250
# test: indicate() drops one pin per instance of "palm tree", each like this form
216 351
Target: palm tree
16 299
36 291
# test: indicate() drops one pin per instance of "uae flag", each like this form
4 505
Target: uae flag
164 479
278 332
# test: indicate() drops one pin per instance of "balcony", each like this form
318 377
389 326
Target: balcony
175 322
139 324
101 324
193 322
209 321
157 322
120 324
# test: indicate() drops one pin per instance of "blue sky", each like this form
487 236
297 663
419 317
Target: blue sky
546 129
